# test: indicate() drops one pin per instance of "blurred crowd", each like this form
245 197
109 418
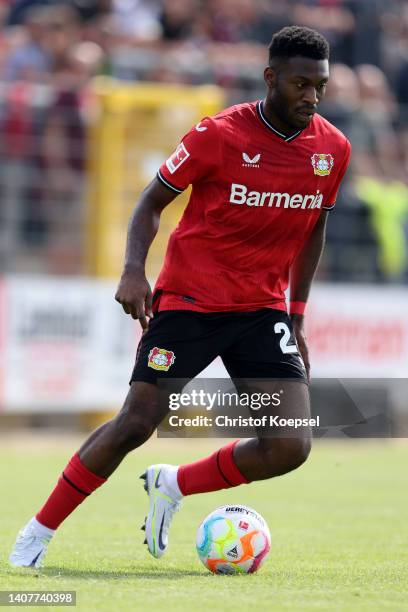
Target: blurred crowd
50 50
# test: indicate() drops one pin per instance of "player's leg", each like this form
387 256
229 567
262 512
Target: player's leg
172 335
259 354
141 413
272 453
236 463
88 469
277 450
263 457
208 335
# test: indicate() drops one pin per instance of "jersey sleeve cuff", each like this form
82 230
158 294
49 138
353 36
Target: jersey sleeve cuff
328 206
167 183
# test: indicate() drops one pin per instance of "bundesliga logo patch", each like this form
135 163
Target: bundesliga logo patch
322 163
179 157
160 359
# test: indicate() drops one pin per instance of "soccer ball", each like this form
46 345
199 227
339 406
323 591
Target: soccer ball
233 540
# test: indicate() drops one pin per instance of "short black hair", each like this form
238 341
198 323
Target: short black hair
298 40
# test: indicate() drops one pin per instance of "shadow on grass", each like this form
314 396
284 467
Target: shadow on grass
141 573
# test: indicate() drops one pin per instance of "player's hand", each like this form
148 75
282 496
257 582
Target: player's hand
300 335
135 295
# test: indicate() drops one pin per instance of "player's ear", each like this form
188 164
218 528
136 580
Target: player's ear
270 76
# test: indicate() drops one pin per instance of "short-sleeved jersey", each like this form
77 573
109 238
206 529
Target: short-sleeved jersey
256 196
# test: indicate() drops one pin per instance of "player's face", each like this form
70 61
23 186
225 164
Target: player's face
295 88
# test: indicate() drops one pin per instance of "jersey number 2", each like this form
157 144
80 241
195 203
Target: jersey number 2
285 347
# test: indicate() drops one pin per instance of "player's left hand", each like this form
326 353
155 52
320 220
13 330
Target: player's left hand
297 321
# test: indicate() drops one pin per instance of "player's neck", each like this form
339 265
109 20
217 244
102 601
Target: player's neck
275 121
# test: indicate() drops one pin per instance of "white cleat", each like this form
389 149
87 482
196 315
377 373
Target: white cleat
31 545
165 499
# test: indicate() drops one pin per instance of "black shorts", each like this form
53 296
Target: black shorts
180 344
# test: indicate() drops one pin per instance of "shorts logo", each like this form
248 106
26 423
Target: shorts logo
179 157
322 163
160 359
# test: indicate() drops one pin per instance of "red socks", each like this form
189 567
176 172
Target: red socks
74 485
218 471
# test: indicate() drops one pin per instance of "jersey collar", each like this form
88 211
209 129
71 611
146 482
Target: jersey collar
259 108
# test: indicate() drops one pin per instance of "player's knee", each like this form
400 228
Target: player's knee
295 452
134 432
133 428
284 455
138 418
140 429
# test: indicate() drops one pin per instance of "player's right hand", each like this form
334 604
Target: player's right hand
135 295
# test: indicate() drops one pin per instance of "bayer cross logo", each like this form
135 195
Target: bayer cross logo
251 162
160 359
322 163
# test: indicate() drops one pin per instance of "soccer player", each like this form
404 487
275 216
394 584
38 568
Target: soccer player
264 176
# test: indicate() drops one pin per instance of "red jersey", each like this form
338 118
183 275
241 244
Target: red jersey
256 196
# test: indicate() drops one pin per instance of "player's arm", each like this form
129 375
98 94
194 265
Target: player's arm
134 291
301 276
304 267
195 158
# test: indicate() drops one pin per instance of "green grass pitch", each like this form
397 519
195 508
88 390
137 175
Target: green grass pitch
338 525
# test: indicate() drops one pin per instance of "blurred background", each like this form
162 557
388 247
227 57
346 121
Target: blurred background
94 94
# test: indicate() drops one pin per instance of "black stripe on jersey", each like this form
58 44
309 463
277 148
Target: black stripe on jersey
167 184
269 125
